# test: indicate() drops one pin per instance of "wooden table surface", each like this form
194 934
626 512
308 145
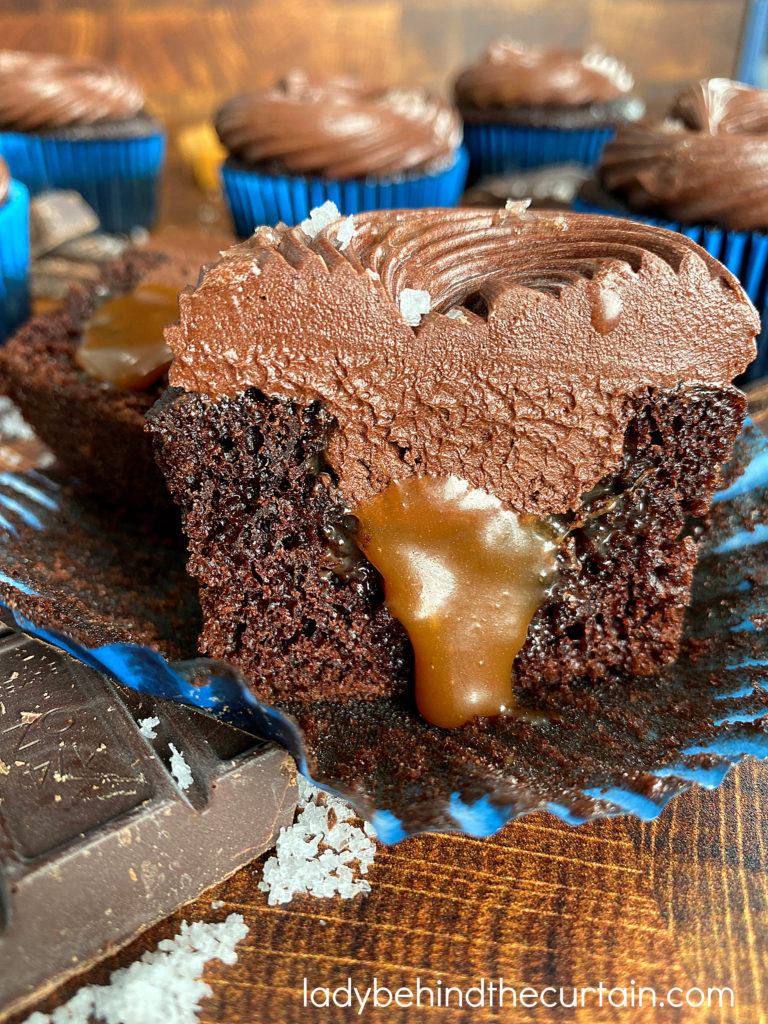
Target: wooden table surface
681 901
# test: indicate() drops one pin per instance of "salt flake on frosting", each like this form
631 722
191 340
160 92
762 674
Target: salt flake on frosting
414 303
345 232
320 217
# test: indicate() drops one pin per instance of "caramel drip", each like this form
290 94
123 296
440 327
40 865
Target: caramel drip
464 576
124 343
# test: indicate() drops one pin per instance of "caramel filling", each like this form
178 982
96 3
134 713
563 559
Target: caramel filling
124 344
465 577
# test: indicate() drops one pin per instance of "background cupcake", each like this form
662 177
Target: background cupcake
703 170
66 123
526 106
299 144
14 252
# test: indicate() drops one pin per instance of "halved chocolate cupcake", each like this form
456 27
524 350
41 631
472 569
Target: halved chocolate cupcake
85 374
457 448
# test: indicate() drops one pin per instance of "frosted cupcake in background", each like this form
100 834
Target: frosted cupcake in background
75 124
299 144
703 170
14 252
525 106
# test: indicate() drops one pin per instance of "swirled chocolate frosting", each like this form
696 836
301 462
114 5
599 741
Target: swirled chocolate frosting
503 347
706 163
42 90
5 181
339 128
510 74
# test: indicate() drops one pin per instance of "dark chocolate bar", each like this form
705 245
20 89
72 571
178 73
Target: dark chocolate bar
106 828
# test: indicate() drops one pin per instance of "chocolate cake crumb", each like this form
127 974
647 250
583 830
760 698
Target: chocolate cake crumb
264 520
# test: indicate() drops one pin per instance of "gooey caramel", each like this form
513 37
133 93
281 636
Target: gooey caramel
465 577
123 343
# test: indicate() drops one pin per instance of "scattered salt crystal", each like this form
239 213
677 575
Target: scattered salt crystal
147 727
180 770
324 853
320 218
164 987
457 314
414 304
345 232
217 904
12 426
517 206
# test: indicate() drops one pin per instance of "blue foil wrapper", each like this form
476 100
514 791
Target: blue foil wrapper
618 746
256 198
117 177
500 148
14 259
744 253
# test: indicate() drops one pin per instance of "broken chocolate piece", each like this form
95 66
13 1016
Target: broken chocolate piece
102 833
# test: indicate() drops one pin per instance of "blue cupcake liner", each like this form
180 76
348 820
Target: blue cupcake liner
729 709
14 259
744 253
500 148
255 198
117 177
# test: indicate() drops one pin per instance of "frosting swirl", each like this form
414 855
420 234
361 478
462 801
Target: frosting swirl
510 74
504 347
706 163
5 181
39 91
339 128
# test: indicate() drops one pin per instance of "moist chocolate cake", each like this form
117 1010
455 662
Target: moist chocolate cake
450 445
88 404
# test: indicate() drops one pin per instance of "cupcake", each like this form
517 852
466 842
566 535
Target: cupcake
703 170
525 106
14 252
84 375
444 451
299 144
81 125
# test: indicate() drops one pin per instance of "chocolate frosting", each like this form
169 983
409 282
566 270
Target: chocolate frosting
511 74
706 163
538 330
339 128
45 90
5 181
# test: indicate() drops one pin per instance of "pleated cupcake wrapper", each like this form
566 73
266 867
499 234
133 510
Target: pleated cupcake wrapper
14 259
499 148
622 766
744 253
117 177
255 198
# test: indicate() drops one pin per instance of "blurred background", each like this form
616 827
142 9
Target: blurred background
190 56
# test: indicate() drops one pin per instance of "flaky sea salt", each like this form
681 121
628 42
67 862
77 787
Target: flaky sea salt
414 303
180 770
345 233
324 853
148 726
164 987
12 426
320 218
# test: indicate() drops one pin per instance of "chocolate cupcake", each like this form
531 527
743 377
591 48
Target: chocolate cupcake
299 144
81 125
703 170
85 374
14 252
526 106
456 449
